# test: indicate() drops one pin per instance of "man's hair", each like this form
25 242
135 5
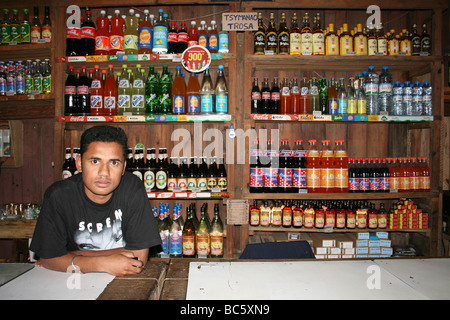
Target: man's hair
104 134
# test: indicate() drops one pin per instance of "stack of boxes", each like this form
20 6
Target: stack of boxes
404 214
368 245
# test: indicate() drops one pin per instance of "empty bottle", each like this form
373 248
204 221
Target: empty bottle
371 88
385 91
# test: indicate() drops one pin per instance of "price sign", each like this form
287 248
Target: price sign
196 59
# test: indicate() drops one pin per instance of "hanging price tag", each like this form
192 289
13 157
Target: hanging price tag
196 59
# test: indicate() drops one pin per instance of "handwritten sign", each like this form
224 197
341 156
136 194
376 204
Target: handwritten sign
240 21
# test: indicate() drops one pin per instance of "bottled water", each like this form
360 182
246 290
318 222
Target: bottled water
397 100
417 99
427 99
385 91
371 89
407 98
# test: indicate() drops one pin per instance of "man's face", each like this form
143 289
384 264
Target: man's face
102 167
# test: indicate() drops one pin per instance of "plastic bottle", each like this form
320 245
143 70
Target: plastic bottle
404 185
97 93
385 91
160 35
138 92
183 37
353 183
285 105
221 92
327 177
394 175
415 175
213 39
179 93
407 99
73 36
284 179
427 99
83 93
424 182
152 91
116 34
102 34
110 93
363 175
341 167
88 35
417 105
202 35
397 99
131 34
172 38
193 95
298 166
313 170
271 169
384 175
304 97
145 34
342 97
3 77
124 92
371 90
70 105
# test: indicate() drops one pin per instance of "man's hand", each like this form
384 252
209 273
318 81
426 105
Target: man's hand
121 264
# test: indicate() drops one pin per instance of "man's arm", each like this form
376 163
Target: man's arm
117 262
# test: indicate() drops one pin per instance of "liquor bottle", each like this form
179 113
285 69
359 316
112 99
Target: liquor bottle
283 36
46 26
372 43
216 234
188 243
110 93
161 170
165 91
425 41
275 97
221 92
29 86
172 38
46 78
150 167
360 41
318 38
37 77
138 92
25 37
206 94
222 179
381 40
176 236
203 244
331 42
415 41
405 43
294 36
393 44
160 35
255 97
342 97
145 32
265 97
213 38
35 30
271 35
183 37
345 41
307 37
70 103
116 33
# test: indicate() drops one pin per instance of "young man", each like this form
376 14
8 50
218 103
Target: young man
99 220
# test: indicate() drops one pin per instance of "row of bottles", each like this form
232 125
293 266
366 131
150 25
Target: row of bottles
311 39
367 93
34 77
320 214
16 31
130 92
130 34
191 239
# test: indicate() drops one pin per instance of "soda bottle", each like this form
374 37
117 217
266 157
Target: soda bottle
193 34
25 36
313 170
342 97
352 106
285 104
88 35
131 34
275 97
20 79
202 35
221 92
271 169
364 178
35 29
110 93
415 175
327 177
332 98
193 174
206 93
138 92
124 92
374 176
152 91
385 91
295 97
256 175
15 27
179 93
284 179
73 36
394 175
102 34
193 95
172 38
5 28
304 97
29 86
256 102
371 90
265 97
341 167
160 35
223 41
384 175
116 33
37 77
352 177
70 93
361 99
405 174
83 95
145 31
183 37
165 91
298 167
46 29
97 93
213 38
314 98
323 95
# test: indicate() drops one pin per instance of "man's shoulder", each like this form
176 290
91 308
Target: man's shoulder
68 185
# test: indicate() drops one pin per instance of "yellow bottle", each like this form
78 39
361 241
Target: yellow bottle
306 35
331 42
318 38
360 41
345 41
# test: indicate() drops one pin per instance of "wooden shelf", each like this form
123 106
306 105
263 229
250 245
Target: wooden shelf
17 229
343 196
334 230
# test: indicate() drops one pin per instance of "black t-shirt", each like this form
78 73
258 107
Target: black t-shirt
70 221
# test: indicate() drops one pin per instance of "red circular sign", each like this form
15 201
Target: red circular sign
196 59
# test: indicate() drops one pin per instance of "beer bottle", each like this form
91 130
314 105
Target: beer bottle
265 97
189 236
172 174
318 38
306 37
331 42
149 174
425 41
202 180
130 160
67 168
259 37
360 41
139 164
372 43
345 41
183 174
216 234
212 174
294 36
222 180
256 101
283 36
202 235
193 174
271 35
381 40
161 171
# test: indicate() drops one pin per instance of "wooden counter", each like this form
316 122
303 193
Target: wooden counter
17 229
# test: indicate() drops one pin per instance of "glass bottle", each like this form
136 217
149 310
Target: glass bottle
188 243
203 235
331 42
271 35
318 38
425 41
360 41
381 40
415 41
307 37
283 36
216 234
259 37
294 36
47 26
221 92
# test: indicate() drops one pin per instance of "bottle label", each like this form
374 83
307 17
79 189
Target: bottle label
297 218
25 35
223 42
394 183
102 43
82 90
283 43
295 44
206 103
221 103
327 178
110 103
299 178
175 243
374 184
271 40
203 244
182 183
183 37
332 45
70 90
216 245
346 45
35 33
191 183
361 45
362 106
116 42
145 37
138 174
47 33
353 184
382 46
160 37
284 178
188 245
352 106
385 88
259 42
88 32
318 43
202 183
364 184
96 101
178 104
333 107
149 180
171 183
256 178
129 42
46 82
342 106
124 101
72 33
161 180
138 101
306 43
372 47
164 234
384 184
341 178
270 177
193 104
313 178
203 40
213 42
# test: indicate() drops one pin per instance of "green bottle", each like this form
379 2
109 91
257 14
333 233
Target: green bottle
124 92
25 32
203 240
15 27
5 28
323 95
216 234
152 91
165 93
38 78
